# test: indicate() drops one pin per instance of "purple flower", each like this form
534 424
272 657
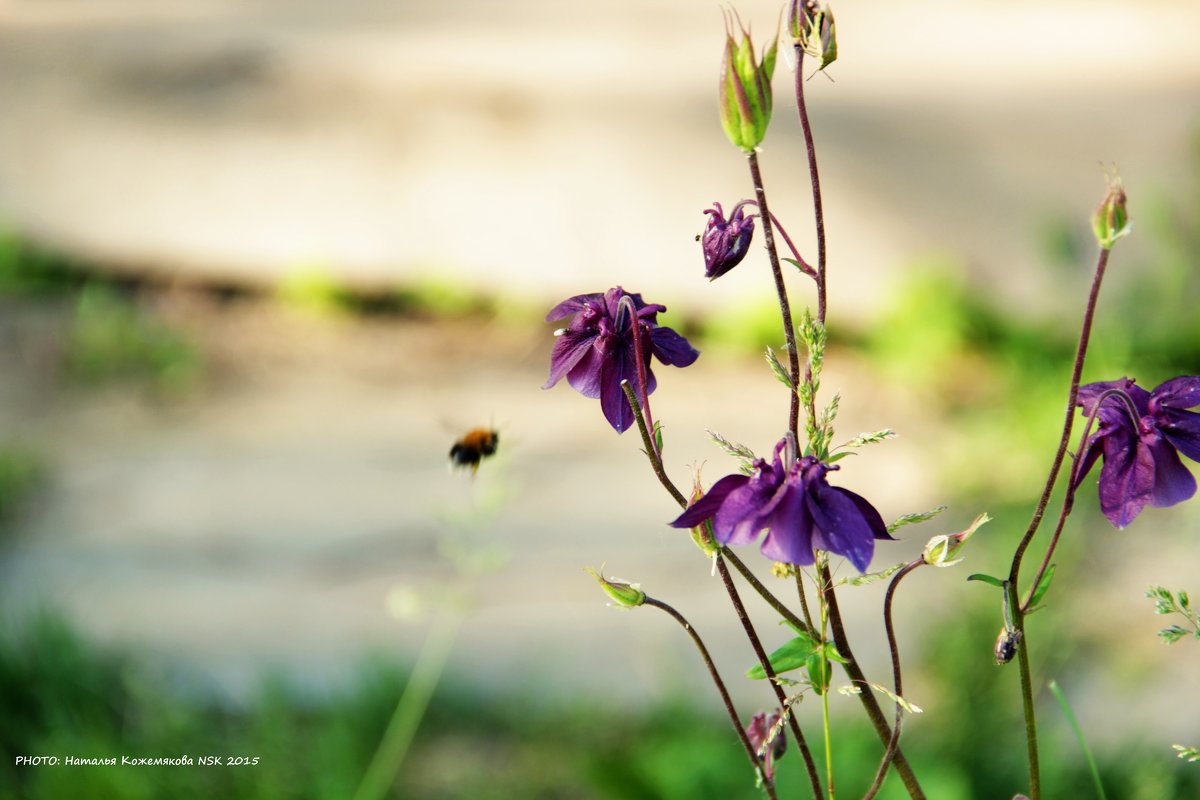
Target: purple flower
1140 435
595 351
798 508
760 727
726 242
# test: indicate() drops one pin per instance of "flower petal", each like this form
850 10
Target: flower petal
572 305
569 349
585 376
671 348
707 506
840 526
1126 480
790 529
613 401
740 517
1173 483
1182 429
1181 392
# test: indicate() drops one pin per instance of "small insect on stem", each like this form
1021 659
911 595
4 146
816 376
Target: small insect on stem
474 446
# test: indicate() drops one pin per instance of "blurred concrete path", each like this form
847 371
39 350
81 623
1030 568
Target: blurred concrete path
528 148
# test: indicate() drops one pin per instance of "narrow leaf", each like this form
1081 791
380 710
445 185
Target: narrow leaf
781 374
1042 587
909 519
979 576
871 577
911 708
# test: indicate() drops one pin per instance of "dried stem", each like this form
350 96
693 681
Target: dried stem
768 783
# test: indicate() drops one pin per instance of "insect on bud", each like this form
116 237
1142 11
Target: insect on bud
1007 644
1111 220
625 594
745 92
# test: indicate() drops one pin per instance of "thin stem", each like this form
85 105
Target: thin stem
765 593
804 266
1018 556
768 784
897 682
763 660
410 709
651 451
785 309
803 599
818 207
869 702
824 609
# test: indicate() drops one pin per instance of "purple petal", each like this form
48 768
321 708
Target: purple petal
871 515
586 377
739 519
1181 392
1090 393
707 506
1172 481
840 526
671 348
569 349
1182 429
572 305
613 401
1126 480
790 535
1091 453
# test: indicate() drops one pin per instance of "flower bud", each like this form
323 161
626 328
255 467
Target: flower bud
745 96
1007 644
811 26
1111 220
701 534
941 551
625 594
726 242
765 733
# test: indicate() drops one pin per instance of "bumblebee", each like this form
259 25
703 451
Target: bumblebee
474 446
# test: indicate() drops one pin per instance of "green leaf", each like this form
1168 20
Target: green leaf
780 373
790 656
1042 587
979 576
871 577
819 673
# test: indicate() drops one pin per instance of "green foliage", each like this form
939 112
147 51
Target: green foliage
30 270
20 474
794 654
112 337
1165 602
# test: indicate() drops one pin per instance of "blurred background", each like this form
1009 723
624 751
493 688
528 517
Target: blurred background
263 262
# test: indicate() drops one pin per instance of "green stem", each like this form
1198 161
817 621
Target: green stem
1087 751
414 700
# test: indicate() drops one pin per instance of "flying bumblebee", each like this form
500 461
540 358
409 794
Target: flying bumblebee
474 446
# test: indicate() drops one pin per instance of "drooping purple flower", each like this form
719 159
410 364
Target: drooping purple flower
726 242
760 728
595 351
797 507
1140 435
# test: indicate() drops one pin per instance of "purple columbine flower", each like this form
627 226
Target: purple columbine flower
595 351
760 727
1141 450
798 508
726 242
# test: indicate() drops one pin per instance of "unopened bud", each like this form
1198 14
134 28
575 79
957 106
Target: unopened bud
942 551
1111 220
1007 644
625 594
702 533
766 736
745 95
811 26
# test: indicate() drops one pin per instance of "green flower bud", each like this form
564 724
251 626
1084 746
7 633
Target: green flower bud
702 533
941 551
745 95
1111 220
625 594
811 26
